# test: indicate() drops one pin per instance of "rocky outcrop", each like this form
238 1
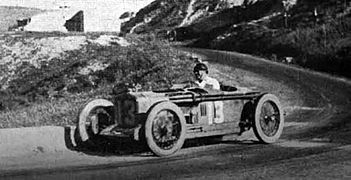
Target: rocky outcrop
195 17
168 14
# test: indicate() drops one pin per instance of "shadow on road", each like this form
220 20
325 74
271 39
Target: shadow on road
103 146
112 146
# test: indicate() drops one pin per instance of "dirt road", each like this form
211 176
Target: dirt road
316 143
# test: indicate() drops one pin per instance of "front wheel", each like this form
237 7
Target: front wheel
165 129
93 118
269 120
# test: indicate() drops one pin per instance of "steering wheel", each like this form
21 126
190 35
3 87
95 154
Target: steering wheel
190 84
184 85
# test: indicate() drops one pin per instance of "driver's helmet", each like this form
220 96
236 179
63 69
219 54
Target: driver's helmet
200 67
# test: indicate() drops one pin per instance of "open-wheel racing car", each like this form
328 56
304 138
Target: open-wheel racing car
164 119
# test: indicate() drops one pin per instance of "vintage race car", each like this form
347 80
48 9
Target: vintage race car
165 118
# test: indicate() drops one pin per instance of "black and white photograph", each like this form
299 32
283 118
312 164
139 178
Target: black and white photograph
175 89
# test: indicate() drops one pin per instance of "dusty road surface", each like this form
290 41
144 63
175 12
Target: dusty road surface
316 142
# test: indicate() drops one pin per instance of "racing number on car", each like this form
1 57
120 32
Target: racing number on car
218 112
211 112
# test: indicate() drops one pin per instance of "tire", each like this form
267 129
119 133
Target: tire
268 122
94 116
165 129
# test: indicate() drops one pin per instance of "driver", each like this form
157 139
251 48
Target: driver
202 78
205 81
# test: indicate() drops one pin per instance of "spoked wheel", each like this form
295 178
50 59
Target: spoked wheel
165 129
269 120
93 118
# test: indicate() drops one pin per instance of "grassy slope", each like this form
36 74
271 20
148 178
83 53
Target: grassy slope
9 15
53 93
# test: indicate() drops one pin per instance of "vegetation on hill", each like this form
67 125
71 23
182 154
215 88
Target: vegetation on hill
318 41
48 90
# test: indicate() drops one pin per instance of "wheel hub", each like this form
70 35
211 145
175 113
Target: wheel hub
164 130
269 122
99 120
95 124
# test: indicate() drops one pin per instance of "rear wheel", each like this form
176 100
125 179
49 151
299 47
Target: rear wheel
269 121
165 129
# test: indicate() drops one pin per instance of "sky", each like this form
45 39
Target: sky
127 5
99 15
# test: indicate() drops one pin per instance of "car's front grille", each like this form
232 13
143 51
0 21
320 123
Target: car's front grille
126 112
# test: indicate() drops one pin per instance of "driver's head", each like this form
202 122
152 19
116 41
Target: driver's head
200 71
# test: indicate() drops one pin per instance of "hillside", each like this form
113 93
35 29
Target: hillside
198 16
46 77
9 15
310 33
316 35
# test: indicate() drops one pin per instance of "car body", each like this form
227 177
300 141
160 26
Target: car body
165 118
